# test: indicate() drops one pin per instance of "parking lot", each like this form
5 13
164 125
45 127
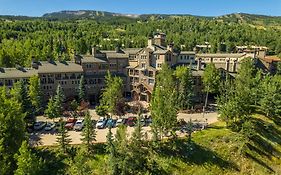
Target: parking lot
48 138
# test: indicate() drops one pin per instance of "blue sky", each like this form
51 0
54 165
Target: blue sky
194 7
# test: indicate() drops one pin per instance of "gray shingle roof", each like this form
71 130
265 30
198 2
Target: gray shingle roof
160 52
16 73
222 55
59 67
91 59
114 54
132 50
187 52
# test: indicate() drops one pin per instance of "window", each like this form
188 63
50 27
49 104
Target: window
168 57
150 81
157 57
143 65
159 65
143 57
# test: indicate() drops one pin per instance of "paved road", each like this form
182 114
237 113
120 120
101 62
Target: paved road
49 138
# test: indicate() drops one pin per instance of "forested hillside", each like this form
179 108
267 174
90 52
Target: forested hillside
23 39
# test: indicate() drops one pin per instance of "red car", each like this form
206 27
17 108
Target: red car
70 123
131 121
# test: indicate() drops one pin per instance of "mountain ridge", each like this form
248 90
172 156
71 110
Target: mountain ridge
255 19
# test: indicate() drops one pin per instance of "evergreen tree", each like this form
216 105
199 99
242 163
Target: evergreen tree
59 99
63 137
88 133
82 89
20 93
27 162
35 92
52 109
111 150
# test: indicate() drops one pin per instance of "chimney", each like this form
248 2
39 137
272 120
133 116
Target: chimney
227 65
78 59
34 64
234 65
170 47
199 61
117 49
94 51
149 42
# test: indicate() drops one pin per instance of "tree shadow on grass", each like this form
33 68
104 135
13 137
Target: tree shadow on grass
260 146
194 154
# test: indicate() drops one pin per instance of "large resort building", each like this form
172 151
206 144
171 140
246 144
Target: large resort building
136 66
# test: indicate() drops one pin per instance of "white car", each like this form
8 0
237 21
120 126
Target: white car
79 125
120 121
49 126
101 123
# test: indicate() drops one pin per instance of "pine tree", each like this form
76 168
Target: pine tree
111 150
88 133
20 93
63 137
35 92
59 99
27 162
82 89
52 109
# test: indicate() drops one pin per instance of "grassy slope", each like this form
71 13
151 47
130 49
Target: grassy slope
216 150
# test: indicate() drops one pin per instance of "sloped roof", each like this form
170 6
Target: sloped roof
187 52
131 50
160 52
222 55
17 73
114 54
59 67
92 59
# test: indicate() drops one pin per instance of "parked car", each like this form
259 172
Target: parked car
49 126
148 120
110 123
70 123
143 122
101 123
131 121
79 125
120 121
39 125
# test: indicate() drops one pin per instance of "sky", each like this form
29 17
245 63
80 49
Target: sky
193 7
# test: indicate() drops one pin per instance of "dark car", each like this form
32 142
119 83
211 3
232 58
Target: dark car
110 123
131 121
39 125
70 123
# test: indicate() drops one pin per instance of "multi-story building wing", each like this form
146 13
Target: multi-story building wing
137 67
